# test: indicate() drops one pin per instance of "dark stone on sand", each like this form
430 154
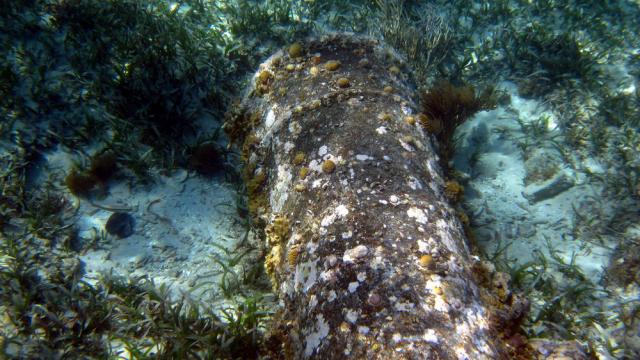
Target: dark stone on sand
548 189
120 224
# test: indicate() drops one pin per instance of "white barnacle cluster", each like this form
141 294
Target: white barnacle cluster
434 288
414 183
378 261
418 214
306 275
429 336
342 211
363 157
354 254
288 146
444 231
270 119
338 212
471 325
404 306
422 246
280 191
352 316
319 165
406 110
406 145
315 335
323 150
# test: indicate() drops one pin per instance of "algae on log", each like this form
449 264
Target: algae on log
367 256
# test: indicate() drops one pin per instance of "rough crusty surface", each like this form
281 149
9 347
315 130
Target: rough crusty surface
346 245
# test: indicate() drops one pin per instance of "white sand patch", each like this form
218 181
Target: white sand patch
492 158
180 224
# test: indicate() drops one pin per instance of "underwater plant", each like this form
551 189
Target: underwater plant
49 311
544 59
79 184
103 166
137 75
421 33
445 106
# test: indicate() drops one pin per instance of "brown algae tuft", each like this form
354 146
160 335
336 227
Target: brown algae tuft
263 85
299 158
296 50
385 117
102 168
328 166
426 261
432 125
343 82
292 256
411 120
277 233
453 190
264 77
303 173
332 65
79 184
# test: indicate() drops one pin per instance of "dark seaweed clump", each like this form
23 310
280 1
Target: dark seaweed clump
84 182
53 314
624 267
446 106
135 79
545 60
135 75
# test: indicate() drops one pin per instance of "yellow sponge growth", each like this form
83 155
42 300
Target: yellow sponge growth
277 234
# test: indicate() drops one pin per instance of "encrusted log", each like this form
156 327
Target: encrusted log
365 252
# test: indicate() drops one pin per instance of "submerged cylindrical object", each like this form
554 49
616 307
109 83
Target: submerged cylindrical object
365 252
